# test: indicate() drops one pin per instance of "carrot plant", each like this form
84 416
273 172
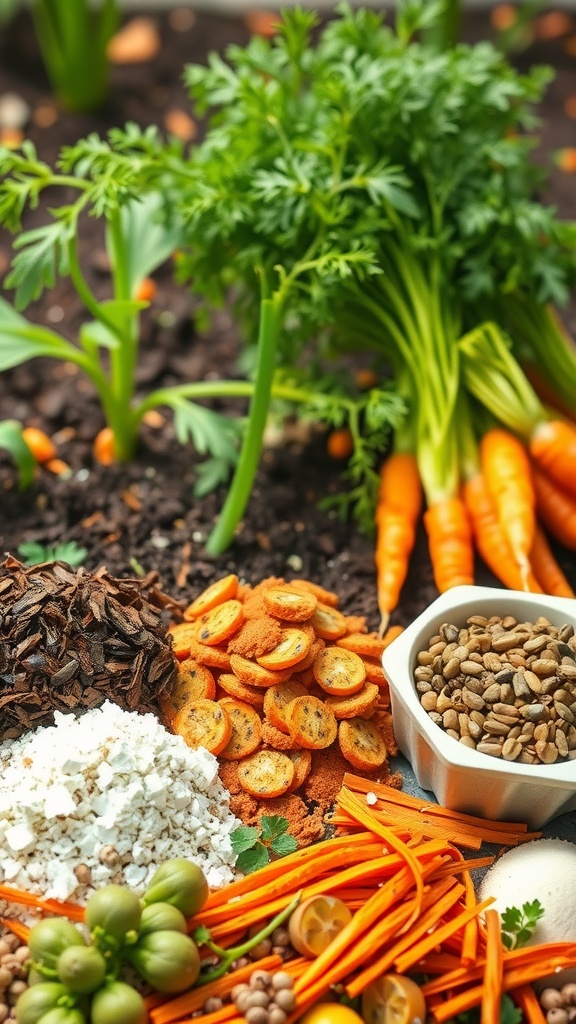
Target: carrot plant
126 182
360 190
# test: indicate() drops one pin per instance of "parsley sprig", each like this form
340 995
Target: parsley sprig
518 923
254 846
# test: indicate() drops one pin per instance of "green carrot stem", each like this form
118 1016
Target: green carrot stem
235 952
241 486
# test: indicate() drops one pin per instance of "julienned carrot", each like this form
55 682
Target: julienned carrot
526 999
397 512
413 823
412 956
279 867
527 958
553 448
506 469
349 802
291 882
493 970
470 937
192 1000
556 508
511 832
546 568
450 543
440 898
48 906
490 538
16 927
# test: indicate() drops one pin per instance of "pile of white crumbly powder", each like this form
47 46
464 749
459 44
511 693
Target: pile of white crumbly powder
108 795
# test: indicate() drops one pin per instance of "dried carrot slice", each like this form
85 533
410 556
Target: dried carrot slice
311 723
278 698
286 602
362 743
204 723
193 681
293 647
219 624
322 595
374 672
302 761
317 645
365 644
246 729
213 657
253 674
234 687
328 623
222 590
267 773
339 672
182 633
361 704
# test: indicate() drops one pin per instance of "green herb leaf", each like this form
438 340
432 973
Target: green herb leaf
244 838
11 439
253 859
272 826
284 844
518 924
68 551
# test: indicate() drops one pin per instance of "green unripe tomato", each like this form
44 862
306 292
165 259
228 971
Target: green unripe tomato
62 1015
35 1002
114 909
49 938
118 1003
162 917
169 961
81 968
181 883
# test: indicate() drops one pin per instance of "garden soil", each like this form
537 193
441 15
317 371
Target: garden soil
143 516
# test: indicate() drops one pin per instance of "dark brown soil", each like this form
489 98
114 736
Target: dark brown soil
143 516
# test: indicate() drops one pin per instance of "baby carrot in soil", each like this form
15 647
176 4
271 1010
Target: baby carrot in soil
506 469
397 512
546 568
42 447
553 448
450 543
489 536
556 508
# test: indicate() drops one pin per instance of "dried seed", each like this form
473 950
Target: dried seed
535 644
491 661
472 700
511 749
451 668
564 713
547 752
429 700
544 666
493 749
450 720
492 693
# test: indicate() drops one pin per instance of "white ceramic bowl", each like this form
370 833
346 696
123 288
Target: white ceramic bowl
461 778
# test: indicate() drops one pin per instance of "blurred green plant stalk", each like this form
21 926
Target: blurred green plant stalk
73 37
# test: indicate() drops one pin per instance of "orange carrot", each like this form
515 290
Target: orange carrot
556 508
546 568
506 469
490 538
49 906
41 446
470 940
16 927
195 998
398 508
450 543
493 970
553 448
146 290
103 447
340 444
525 997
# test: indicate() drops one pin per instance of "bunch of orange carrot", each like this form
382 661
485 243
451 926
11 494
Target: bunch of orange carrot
517 493
396 863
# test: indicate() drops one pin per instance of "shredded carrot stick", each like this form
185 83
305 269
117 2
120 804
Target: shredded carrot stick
556 508
192 1000
506 469
48 906
470 940
16 927
450 543
493 970
413 955
546 568
349 802
277 868
441 902
525 997
553 448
